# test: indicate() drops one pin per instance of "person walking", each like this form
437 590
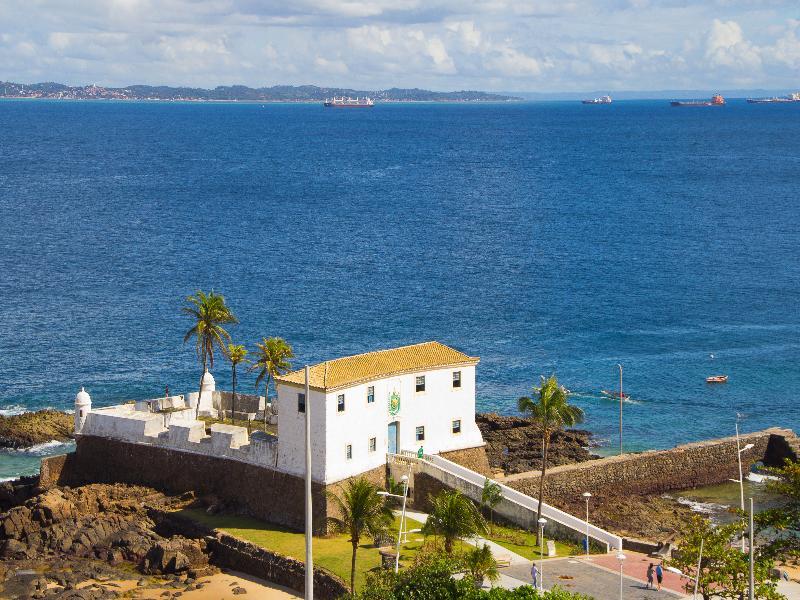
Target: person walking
659 575
535 576
650 573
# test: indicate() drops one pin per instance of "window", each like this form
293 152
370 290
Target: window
371 394
421 383
373 444
348 451
456 379
420 434
340 403
301 403
457 426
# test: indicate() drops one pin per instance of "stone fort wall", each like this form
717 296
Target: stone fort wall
656 472
254 490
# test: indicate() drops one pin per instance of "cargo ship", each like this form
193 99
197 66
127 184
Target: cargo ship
349 102
600 100
716 100
795 97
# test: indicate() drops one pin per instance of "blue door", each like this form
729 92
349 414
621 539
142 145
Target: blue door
393 437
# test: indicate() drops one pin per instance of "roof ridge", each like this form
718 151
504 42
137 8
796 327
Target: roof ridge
349 356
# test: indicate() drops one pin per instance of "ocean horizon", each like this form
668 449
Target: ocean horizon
544 237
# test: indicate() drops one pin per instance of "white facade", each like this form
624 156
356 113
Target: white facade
365 427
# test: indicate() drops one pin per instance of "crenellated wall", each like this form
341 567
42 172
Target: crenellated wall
179 431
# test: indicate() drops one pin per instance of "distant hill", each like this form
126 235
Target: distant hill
276 93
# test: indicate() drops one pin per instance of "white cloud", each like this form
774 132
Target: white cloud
727 47
440 44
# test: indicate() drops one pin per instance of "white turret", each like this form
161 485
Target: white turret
83 405
206 399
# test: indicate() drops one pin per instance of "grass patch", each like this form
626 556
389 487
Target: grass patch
524 542
331 552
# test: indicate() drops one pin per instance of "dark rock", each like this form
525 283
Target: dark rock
237 591
514 444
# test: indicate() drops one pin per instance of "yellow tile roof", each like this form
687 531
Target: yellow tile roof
351 370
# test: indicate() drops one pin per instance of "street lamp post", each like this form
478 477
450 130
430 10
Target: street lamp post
697 575
621 558
620 407
587 495
309 574
752 556
542 523
740 481
404 479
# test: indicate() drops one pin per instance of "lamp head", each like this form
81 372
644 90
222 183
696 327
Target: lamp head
621 557
542 522
404 478
587 495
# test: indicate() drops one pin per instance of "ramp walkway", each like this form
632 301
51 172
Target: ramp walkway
515 507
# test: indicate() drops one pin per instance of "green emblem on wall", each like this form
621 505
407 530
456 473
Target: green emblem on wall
394 403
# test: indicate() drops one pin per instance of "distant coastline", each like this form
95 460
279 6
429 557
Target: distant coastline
238 93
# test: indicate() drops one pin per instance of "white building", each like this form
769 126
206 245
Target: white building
362 407
368 405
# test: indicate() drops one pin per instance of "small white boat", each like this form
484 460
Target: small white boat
717 379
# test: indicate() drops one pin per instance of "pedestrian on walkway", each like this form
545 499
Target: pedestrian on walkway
535 576
650 572
659 575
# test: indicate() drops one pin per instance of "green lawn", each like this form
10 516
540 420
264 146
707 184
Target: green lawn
523 542
330 552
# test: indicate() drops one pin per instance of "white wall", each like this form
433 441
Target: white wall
332 431
291 432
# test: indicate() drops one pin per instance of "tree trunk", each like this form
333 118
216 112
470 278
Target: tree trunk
233 397
546 434
266 400
448 545
200 392
353 569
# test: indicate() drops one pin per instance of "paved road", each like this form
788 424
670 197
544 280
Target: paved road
578 576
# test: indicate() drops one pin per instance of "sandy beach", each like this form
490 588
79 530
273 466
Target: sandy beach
221 586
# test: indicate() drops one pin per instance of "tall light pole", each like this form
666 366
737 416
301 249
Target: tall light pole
620 407
740 481
542 523
309 551
404 479
621 558
699 566
697 575
586 496
752 556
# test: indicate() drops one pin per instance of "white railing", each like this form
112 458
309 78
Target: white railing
516 497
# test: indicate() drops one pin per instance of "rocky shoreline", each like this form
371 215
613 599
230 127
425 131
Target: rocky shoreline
514 444
30 429
61 537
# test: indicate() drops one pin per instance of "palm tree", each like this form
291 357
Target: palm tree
481 564
209 313
236 354
551 410
453 516
361 511
273 360
490 497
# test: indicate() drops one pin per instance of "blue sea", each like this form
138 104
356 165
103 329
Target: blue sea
542 237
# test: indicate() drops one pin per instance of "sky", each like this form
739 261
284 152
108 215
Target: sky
497 45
